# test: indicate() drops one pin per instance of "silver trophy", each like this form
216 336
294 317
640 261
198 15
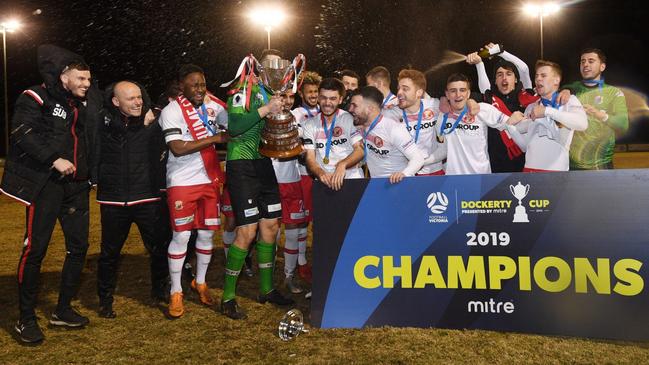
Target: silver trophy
280 136
520 191
291 325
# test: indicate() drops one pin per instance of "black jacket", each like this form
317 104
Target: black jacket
130 156
49 123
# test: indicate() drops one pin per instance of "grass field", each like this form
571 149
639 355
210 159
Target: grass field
142 335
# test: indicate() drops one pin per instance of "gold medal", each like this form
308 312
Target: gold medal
325 160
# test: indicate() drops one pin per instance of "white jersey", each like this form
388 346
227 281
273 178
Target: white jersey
345 135
188 170
390 101
301 114
388 143
426 139
467 144
547 144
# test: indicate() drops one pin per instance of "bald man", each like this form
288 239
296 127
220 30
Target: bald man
127 191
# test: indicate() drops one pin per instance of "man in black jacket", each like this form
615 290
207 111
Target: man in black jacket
48 169
128 191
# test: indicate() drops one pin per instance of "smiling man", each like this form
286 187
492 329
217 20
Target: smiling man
189 125
605 106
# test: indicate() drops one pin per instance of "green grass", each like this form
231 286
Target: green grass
141 334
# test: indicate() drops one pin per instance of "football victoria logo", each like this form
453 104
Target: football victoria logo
437 202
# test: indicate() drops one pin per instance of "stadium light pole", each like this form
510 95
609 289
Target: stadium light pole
541 10
6 27
269 18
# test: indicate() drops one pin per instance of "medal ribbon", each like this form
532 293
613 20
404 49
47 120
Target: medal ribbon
365 134
442 131
419 117
329 134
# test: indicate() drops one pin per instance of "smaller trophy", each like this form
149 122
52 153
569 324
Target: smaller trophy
520 192
291 325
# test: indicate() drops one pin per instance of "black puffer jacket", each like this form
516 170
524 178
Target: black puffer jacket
49 123
130 155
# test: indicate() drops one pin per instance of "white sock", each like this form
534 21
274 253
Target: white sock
290 251
176 257
301 243
228 240
203 254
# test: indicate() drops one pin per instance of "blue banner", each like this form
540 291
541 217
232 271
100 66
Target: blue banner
551 253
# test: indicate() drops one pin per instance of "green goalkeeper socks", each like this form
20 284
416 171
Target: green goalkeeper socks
266 259
233 265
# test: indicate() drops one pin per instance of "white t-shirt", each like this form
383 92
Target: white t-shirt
390 101
428 131
546 144
387 145
189 169
301 114
467 144
345 135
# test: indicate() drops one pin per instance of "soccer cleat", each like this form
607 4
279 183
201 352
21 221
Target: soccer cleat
68 318
305 272
247 267
176 308
274 297
203 293
292 286
232 310
106 311
29 331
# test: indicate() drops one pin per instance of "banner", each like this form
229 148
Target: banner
548 253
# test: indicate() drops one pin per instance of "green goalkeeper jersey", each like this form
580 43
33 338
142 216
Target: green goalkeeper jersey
244 126
594 147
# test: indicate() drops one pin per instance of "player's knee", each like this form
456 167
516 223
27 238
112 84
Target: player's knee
204 239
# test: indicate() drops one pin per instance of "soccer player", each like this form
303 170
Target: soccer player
351 80
254 193
293 214
419 116
379 77
334 146
605 106
194 177
513 93
465 136
389 149
546 135
310 82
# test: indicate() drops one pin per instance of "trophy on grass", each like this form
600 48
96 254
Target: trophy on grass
280 137
291 325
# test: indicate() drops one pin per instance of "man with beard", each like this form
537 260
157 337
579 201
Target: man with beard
48 169
546 134
605 106
193 179
390 151
513 93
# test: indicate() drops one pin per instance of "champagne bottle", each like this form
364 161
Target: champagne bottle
486 53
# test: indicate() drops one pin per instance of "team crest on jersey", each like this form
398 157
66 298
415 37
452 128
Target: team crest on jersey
378 142
429 114
468 119
211 112
178 204
338 131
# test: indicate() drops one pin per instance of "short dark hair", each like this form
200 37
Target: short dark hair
458 77
370 93
188 69
379 72
76 65
271 52
599 52
349 73
331 83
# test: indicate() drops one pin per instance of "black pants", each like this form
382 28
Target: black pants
115 224
67 202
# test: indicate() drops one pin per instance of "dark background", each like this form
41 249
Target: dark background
147 40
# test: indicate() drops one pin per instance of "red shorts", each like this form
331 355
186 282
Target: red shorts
436 173
194 207
226 204
529 169
307 184
292 203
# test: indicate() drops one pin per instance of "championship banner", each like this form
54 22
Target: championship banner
548 253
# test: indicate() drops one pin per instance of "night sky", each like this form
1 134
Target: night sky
147 40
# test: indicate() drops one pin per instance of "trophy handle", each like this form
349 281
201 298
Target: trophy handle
301 61
527 189
511 189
